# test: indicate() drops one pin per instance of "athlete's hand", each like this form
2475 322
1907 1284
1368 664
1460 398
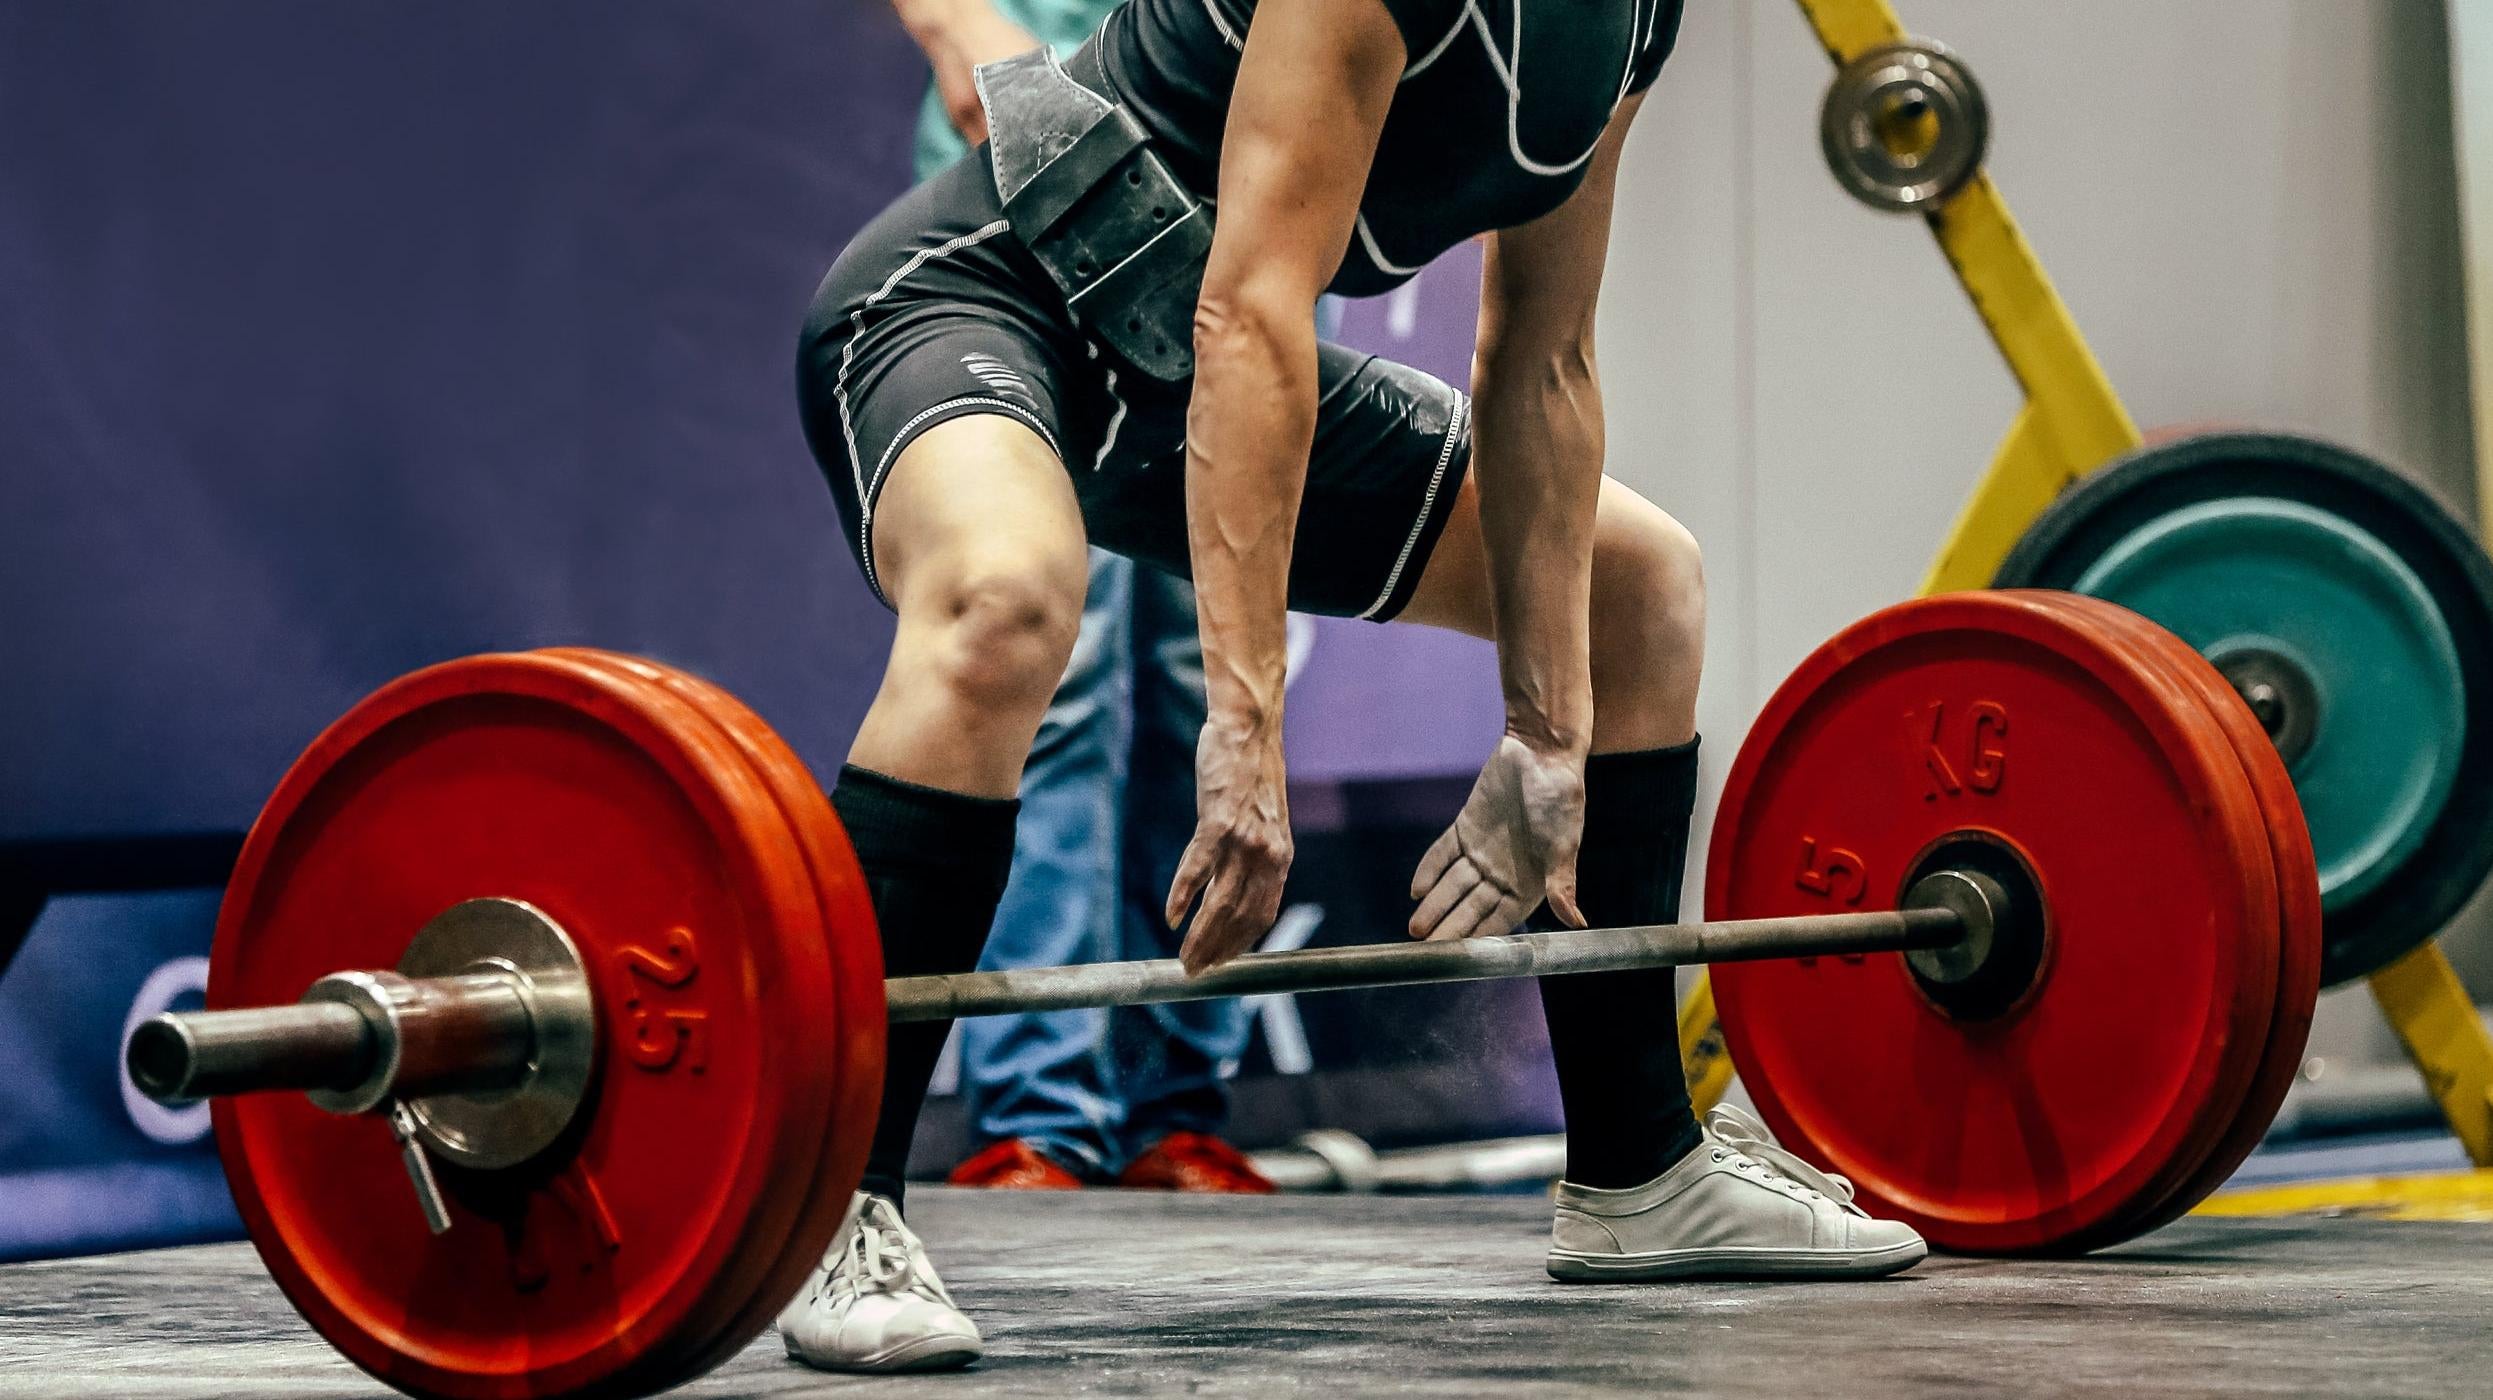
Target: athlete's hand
971 34
1512 846
1241 849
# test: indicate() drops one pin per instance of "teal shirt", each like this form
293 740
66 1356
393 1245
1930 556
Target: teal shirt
1060 24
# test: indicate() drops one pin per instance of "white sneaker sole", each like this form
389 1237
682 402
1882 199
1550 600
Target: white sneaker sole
1569 1266
937 1353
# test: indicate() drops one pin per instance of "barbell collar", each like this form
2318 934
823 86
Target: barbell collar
1558 953
462 1034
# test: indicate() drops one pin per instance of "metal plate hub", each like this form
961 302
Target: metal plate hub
1991 888
1904 126
2281 695
505 937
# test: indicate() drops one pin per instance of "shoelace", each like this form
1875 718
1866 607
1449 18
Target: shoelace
1741 1135
885 1256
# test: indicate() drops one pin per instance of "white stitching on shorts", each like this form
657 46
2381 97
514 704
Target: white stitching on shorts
865 498
1428 503
1220 22
1116 420
848 356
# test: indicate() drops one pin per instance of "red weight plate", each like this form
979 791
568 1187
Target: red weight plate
1998 715
639 830
2246 1073
852 968
2301 942
770 1270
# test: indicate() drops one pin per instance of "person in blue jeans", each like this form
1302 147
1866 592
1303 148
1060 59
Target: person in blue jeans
1136 1095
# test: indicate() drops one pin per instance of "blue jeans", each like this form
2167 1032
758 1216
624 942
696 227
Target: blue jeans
1108 803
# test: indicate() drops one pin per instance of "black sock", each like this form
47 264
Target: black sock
1615 1035
935 864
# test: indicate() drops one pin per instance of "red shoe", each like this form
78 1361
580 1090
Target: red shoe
1015 1164
1196 1162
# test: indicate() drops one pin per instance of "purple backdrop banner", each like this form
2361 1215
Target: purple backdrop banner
338 339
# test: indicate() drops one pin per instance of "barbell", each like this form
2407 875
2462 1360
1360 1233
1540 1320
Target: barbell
360 1039
2015 917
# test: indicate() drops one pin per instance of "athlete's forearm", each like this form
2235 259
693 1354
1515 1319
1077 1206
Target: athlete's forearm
1537 455
1248 430
1537 450
1312 89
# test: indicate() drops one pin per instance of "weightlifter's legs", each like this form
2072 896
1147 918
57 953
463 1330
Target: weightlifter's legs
1619 1076
1647 1194
978 544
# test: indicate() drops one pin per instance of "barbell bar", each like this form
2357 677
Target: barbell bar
360 1040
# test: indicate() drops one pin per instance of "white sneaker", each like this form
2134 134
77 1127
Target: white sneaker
1737 1207
876 1304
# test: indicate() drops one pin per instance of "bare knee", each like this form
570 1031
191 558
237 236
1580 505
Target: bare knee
999 631
1648 585
1674 569
1648 625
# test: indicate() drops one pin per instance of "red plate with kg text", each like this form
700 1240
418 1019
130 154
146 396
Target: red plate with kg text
1994 731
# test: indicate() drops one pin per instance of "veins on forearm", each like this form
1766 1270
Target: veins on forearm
1248 430
1539 448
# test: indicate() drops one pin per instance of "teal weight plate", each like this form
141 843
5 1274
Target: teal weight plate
2358 680
2353 612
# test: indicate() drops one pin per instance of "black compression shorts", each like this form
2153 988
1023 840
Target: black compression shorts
936 312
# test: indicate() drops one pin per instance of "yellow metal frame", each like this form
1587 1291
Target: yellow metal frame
2466 1196
2071 424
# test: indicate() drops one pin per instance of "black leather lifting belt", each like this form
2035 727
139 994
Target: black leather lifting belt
1095 204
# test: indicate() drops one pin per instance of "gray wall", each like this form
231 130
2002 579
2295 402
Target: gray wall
2250 209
